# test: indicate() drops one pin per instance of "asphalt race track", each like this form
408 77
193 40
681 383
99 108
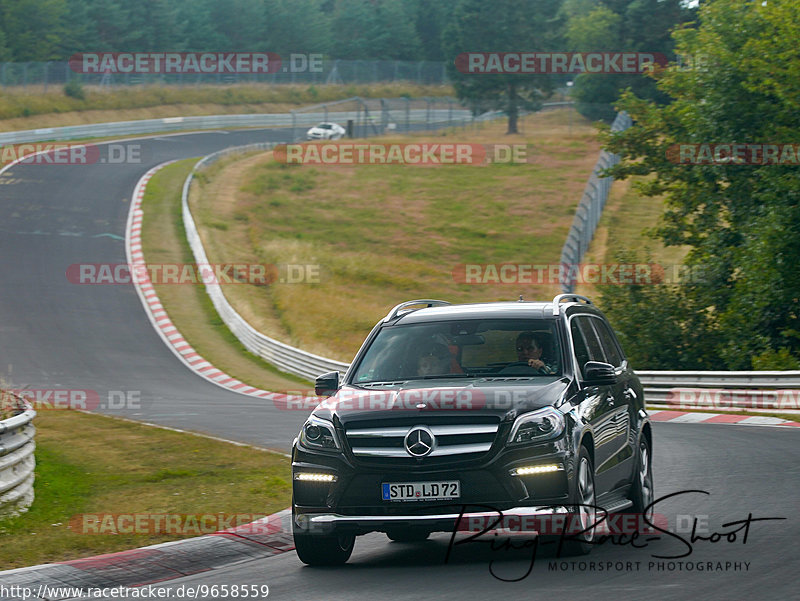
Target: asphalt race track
59 335
745 469
65 336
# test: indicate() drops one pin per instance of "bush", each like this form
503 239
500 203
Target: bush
74 89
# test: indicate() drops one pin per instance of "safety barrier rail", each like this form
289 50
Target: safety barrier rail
17 461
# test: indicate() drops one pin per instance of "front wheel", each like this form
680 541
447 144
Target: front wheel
580 521
642 495
326 550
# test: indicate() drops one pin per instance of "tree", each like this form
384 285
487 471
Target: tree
741 221
374 29
32 28
614 26
502 26
297 26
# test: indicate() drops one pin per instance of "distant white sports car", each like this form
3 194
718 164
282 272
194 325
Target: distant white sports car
325 131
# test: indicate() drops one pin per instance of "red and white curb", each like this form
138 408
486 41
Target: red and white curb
692 417
184 351
155 310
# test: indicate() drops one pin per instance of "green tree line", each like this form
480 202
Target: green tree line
740 216
48 30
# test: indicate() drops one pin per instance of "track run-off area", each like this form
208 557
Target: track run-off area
58 335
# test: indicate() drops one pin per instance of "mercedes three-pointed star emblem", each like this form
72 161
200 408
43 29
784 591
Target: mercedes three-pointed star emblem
419 441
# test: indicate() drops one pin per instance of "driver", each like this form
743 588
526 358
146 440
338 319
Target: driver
530 346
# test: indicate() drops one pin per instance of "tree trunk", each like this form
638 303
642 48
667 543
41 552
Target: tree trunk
512 109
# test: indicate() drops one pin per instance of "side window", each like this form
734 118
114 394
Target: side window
589 335
581 352
609 342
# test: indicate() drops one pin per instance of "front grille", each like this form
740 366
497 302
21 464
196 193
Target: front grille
463 440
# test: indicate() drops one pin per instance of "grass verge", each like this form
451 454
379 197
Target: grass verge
188 305
381 234
93 464
626 225
34 108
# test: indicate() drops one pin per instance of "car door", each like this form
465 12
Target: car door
597 401
623 392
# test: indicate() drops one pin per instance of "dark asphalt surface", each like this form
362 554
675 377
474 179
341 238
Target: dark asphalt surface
58 335
746 470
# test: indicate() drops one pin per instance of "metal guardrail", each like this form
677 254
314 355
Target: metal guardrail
657 384
169 124
283 356
17 461
734 390
590 208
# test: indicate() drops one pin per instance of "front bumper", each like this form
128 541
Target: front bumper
521 519
351 501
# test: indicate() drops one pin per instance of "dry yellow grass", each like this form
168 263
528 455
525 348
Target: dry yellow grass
383 234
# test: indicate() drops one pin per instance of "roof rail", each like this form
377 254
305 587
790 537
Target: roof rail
394 313
572 297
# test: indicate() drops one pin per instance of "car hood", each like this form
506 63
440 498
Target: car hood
505 399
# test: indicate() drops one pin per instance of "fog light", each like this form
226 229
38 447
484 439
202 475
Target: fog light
311 477
530 470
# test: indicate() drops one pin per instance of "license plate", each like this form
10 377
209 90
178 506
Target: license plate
421 491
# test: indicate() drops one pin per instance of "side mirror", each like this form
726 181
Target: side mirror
326 384
596 373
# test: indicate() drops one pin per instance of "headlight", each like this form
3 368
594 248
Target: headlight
537 426
319 434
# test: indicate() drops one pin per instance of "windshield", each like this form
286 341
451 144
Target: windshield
467 348
324 126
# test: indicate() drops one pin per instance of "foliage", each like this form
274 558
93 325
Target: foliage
74 89
615 26
43 30
515 25
742 222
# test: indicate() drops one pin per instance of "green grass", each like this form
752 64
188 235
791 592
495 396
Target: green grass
381 234
627 225
189 306
92 464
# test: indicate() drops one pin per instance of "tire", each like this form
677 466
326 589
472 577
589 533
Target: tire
580 517
642 494
327 550
407 536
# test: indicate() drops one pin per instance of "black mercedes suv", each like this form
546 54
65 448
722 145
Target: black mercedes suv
450 413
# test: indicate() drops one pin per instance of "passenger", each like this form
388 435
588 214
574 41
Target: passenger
434 360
